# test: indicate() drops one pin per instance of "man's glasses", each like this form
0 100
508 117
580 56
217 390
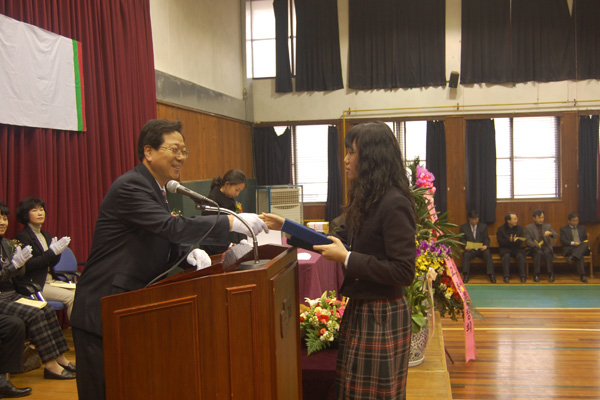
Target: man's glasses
177 152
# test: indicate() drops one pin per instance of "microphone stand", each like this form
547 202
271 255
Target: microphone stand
246 264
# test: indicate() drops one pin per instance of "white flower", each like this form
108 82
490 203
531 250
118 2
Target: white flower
312 302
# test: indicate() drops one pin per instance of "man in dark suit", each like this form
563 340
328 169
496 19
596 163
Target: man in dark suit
135 239
12 338
538 235
474 232
575 244
510 239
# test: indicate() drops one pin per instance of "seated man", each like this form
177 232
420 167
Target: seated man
476 233
575 244
510 238
12 338
538 235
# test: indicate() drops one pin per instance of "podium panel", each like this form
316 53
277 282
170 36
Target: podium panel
227 335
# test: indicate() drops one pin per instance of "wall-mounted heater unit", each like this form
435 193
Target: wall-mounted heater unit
283 200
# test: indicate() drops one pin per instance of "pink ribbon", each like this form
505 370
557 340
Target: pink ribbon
470 348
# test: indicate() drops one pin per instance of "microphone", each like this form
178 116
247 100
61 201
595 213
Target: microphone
175 187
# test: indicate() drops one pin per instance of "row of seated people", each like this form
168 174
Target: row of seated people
17 317
537 237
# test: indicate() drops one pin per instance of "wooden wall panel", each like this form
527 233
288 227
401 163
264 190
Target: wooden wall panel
216 144
455 169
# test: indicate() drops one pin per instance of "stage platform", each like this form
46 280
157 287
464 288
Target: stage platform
431 379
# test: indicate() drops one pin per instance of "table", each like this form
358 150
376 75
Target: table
317 275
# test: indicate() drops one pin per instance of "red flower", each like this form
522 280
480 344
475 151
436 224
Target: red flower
322 332
323 318
446 280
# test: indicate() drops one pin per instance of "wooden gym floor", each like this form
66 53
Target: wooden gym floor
521 354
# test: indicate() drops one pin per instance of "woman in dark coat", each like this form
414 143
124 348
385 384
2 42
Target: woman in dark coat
41 323
31 212
224 190
380 230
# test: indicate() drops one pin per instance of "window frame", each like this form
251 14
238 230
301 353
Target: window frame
512 157
291 40
294 157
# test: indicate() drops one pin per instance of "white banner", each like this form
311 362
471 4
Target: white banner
41 83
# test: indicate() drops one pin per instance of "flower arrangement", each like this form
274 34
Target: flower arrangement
238 207
13 244
320 321
176 212
435 243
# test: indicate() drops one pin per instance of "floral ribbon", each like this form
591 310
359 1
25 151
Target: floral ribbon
470 348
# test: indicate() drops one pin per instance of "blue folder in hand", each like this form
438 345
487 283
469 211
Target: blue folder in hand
306 234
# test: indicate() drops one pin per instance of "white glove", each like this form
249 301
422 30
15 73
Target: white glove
257 224
58 246
21 256
199 258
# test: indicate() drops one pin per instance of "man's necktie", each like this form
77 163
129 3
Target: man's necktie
164 195
575 235
474 231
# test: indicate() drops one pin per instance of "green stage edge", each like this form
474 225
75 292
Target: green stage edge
534 296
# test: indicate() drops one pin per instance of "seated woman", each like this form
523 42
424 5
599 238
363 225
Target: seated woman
224 191
41 323
31 212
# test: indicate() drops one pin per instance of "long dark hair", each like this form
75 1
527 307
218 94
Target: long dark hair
233 176
380 166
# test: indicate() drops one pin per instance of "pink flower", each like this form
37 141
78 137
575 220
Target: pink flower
425 179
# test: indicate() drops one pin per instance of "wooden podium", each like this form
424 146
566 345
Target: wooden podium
208 334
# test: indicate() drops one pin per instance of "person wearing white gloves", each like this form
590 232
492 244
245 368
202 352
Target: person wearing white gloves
41 323
31 212
136 239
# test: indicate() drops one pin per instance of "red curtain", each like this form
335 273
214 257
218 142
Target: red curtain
72 171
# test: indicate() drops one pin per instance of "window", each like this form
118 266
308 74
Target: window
309 160
412 137
527 157
310 153
260 38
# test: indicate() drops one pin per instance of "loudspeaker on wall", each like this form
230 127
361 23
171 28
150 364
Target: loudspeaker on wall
453 83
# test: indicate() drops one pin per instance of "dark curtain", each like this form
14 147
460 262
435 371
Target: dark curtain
435 155
543 41
318 65
335 198
588 169
272 156
72 171
481 168
588 38
485 42
283 73
396 44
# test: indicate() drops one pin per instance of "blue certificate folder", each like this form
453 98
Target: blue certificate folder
305 234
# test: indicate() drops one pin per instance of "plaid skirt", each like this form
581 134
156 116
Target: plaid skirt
374 350
42 326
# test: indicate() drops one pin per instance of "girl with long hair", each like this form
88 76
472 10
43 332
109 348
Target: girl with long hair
380 231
